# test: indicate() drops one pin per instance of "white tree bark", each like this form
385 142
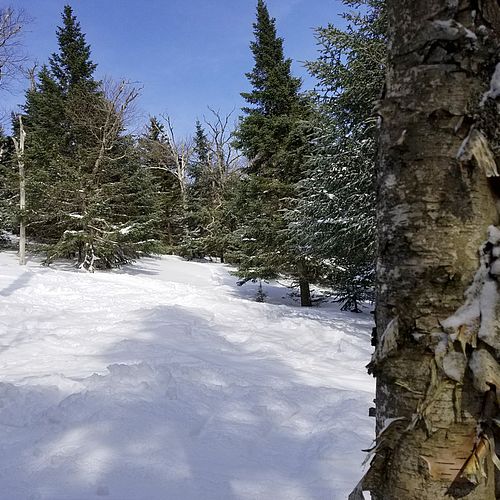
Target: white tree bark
19 147
437 297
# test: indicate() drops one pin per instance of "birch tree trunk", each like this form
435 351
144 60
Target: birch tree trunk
437 196
19 147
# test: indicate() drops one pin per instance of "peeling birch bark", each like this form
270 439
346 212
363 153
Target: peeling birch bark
476 147
442 57
19 147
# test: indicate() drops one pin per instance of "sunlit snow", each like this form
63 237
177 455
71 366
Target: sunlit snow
166 381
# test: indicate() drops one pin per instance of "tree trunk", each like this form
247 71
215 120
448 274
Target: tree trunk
435 203
305 293
170 235
19 147
303 274
22 221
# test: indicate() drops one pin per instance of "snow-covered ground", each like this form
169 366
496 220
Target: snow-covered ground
165 381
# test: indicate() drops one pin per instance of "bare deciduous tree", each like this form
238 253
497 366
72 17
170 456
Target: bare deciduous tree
173 156
114 110
11 54
103 118
221 138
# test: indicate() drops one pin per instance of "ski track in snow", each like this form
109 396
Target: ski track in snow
165 381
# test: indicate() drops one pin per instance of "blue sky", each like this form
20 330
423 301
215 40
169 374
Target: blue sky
186 54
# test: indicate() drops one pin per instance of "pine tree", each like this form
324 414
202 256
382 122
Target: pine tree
201 155
110 223
274 99
200 193
87 192
158 157
273 138
54 186
213 174
71 66
54 176
45 119
8 188
335 217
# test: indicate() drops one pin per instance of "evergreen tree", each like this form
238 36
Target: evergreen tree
335 217
87 192
201 155
158 157
198 196
110 224
201 174
273 137
213 175
274 99
8 187
46 158
54 185
71 66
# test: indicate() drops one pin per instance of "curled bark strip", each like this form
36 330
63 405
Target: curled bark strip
476 147
387 345
473 470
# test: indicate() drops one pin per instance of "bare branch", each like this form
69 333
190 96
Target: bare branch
104 117
11 53
177 155
221 138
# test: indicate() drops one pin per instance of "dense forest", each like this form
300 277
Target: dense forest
277 192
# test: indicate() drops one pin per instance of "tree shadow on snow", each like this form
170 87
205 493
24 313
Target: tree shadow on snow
279 305
182 414
20 282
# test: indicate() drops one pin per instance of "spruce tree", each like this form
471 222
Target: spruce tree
53 178
214 171
88 193
71 66
110 225
47 168
200 197
274 100
335 217
157 157
8 188
201 155
202 178
54 173
273 137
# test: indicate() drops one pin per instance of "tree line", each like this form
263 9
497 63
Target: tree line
282 191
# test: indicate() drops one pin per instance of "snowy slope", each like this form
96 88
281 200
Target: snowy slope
165 381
